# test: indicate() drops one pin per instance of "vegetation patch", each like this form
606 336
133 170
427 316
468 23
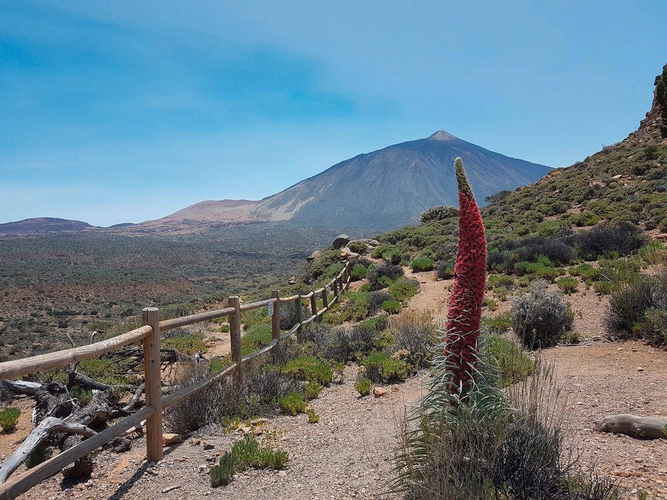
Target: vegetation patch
245 454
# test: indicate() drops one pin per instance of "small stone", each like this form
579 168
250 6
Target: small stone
640 369
195 442
378 392
169 438
208 446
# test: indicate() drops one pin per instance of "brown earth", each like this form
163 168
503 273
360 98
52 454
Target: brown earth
348 454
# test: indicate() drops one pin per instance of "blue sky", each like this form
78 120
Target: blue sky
127 111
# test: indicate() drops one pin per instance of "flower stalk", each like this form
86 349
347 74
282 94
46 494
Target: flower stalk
465 302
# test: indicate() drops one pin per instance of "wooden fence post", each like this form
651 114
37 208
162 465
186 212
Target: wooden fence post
313 305
299 318
335 287
153 380
325 299
275 319
235 335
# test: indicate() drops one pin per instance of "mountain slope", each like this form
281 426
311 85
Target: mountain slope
392 186
375 191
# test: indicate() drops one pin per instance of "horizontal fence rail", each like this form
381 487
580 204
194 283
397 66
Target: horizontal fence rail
149 334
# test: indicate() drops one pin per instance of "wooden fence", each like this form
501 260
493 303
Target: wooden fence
149 334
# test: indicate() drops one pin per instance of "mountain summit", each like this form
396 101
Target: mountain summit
441 135
376 191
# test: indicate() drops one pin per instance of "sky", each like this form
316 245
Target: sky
128 111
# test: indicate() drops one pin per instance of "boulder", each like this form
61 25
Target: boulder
313 256
340 241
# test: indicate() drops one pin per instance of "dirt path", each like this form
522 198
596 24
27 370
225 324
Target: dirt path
348 454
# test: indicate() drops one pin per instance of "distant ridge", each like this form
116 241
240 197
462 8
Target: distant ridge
44 225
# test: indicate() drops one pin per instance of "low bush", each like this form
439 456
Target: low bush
377 273
444 269
623 238
358 247
499 280
567 285
313 417
637 309
391 306
269 385
363 386
292 403
438 214
540 318
414 333
358 272
506 359
422 264
499 324
255 337
310 369
9 417
245 454
382 368
376 299
403 289
312 390
586 271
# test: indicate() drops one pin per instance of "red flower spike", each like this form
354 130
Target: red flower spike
465 301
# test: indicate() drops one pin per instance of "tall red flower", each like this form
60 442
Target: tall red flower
465 302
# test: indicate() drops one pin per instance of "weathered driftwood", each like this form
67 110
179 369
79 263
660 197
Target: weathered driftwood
634 426
76 378
22 387
40 433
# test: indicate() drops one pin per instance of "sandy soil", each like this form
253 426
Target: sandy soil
348 454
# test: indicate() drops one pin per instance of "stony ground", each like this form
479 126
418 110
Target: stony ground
348 453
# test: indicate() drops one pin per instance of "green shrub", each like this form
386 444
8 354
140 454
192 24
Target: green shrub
403 289
309 368
358 247
358 272
394 257
438 214
363 386
313 417
353 306
422 264
81 395
567 285
9 417
292 403
255 337
586 271
499 280
312 390
391 306
378 251
188 344
216 365
245 454
499 324
540 318
382 368
507 359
